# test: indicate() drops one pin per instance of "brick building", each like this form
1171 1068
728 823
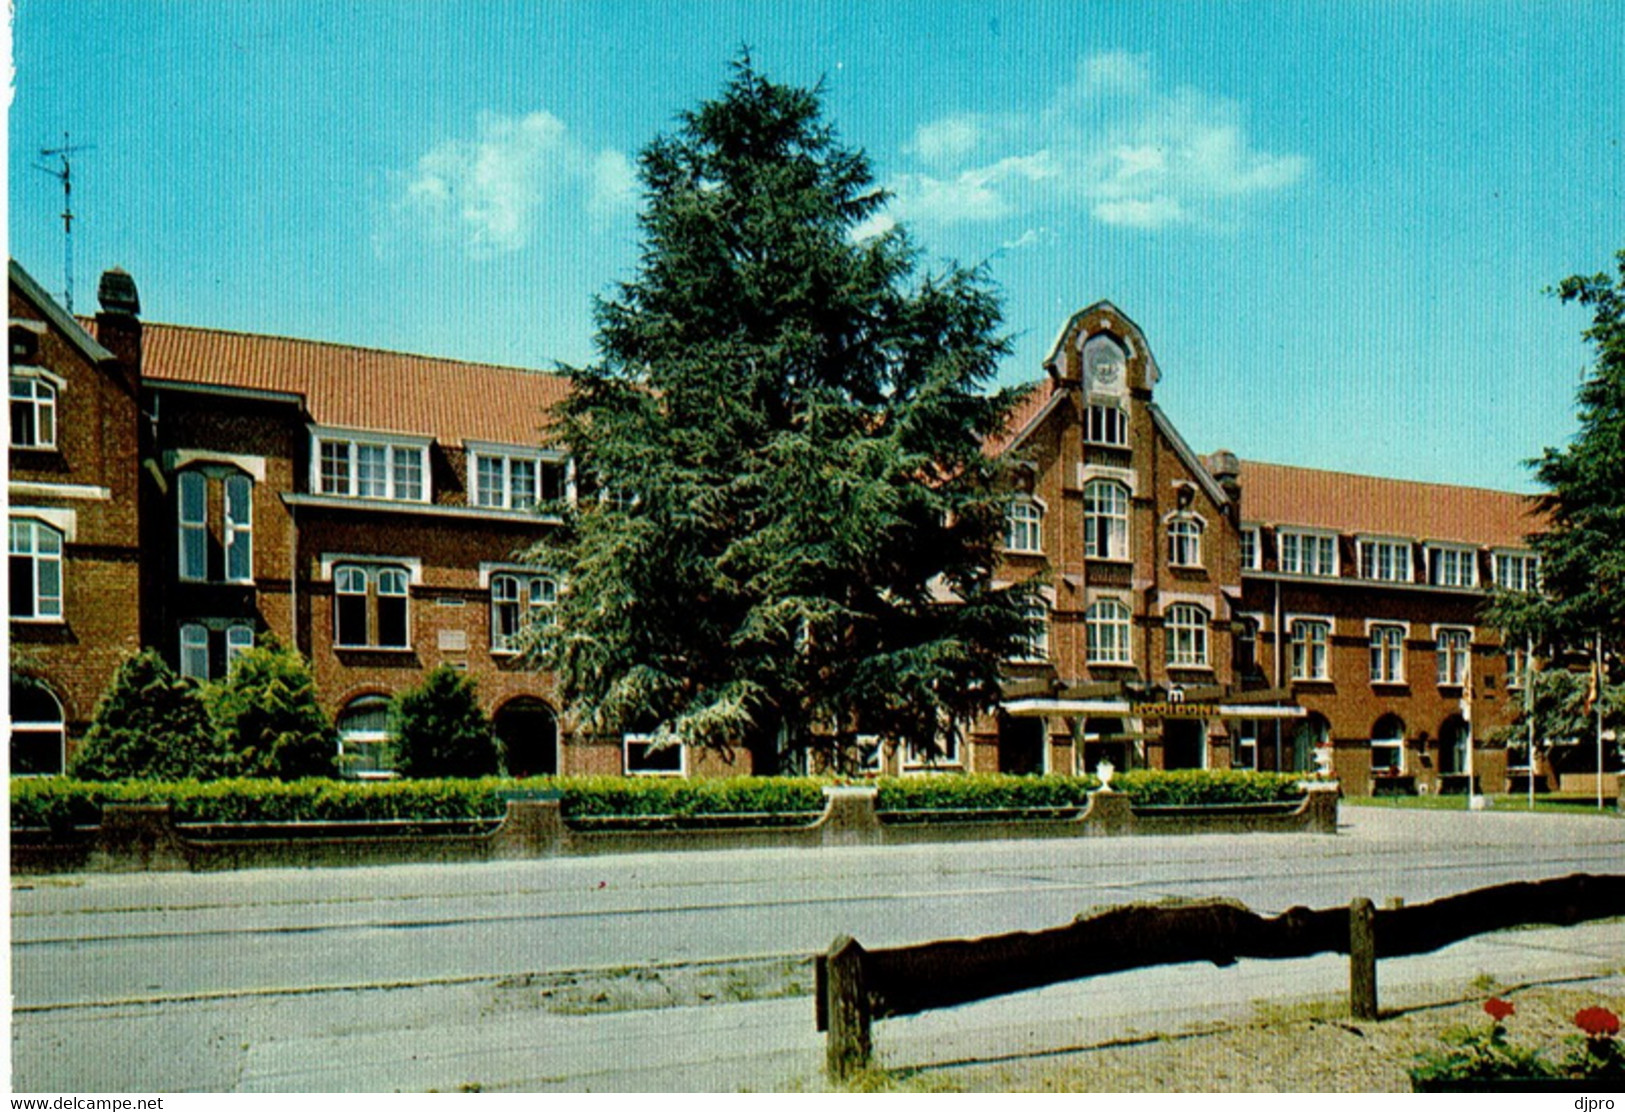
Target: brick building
372 509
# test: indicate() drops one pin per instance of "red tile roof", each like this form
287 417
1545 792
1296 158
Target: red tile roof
1274 494
1022 415
363 388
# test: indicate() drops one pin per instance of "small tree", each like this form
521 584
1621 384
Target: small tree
439 729
151 724
267 717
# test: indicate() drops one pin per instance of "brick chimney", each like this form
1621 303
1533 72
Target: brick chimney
118 325
1224 467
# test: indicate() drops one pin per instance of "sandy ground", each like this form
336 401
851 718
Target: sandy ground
1305 1049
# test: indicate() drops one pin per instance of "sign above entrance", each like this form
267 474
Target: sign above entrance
1171 710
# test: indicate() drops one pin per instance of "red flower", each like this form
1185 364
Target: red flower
1498 1009
1597 1022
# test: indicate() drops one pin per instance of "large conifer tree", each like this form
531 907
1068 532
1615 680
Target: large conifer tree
794 527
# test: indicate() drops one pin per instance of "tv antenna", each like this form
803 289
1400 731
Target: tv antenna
65 176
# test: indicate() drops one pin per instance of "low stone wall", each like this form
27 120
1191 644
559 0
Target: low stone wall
145 837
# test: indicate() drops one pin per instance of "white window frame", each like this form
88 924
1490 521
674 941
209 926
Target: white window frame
239 525
194 651
47 606
535 594
1035 650
1119 624
1105 526
1246 743
1185 629
628 741
1307 552
193 559
1105 424
348 445
1185 541
1446 562
1387 652
1385 559
56 730
1517 667
1527 576
1024 526
239 640
1252 550
1454 655
1394 745
914 760
41 401
355 742
1309 659
372 576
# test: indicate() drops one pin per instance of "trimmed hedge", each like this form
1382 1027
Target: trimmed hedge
1196 787
59 803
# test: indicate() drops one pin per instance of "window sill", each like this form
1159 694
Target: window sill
1028 552
19 619
403 649
1172 667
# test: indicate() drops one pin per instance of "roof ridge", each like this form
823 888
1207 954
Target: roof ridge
1377 478
337 345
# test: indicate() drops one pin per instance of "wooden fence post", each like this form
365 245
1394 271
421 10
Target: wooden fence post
846 1004
1363 959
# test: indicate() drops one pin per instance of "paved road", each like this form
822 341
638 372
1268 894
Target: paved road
420 977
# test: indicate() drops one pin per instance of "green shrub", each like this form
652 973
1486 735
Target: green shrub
267 716
151 723
983 792
59 802
1199 787
602 796
439 730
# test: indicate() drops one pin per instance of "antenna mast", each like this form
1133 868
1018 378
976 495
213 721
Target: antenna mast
65 176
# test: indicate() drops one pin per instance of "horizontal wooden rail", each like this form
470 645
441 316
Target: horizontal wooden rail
909 979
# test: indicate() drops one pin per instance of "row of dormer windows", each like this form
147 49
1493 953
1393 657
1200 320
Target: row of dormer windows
1316 554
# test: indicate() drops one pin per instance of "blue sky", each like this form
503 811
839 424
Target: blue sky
1333 221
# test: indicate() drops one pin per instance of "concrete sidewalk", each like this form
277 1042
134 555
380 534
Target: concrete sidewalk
771 1045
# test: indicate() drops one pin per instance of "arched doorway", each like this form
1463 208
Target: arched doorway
529 732
1454 737
1184 743
1021 745
38 739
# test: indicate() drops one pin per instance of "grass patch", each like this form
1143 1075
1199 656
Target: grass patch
1499 801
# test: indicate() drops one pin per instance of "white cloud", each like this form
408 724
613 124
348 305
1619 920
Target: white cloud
948 139
1111 141
485 193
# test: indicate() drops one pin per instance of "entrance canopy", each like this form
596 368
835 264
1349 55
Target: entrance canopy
1120 708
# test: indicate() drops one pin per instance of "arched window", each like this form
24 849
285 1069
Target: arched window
1388 745
364 746
1105 520
1024 526
1244 647
1185 542
518 601
1186 629
38 736
1311 639
36 570
1106 632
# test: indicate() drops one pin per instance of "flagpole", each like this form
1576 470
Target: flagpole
1598 674
1529 694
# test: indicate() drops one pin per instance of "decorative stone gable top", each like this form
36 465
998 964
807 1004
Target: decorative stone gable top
1103 352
